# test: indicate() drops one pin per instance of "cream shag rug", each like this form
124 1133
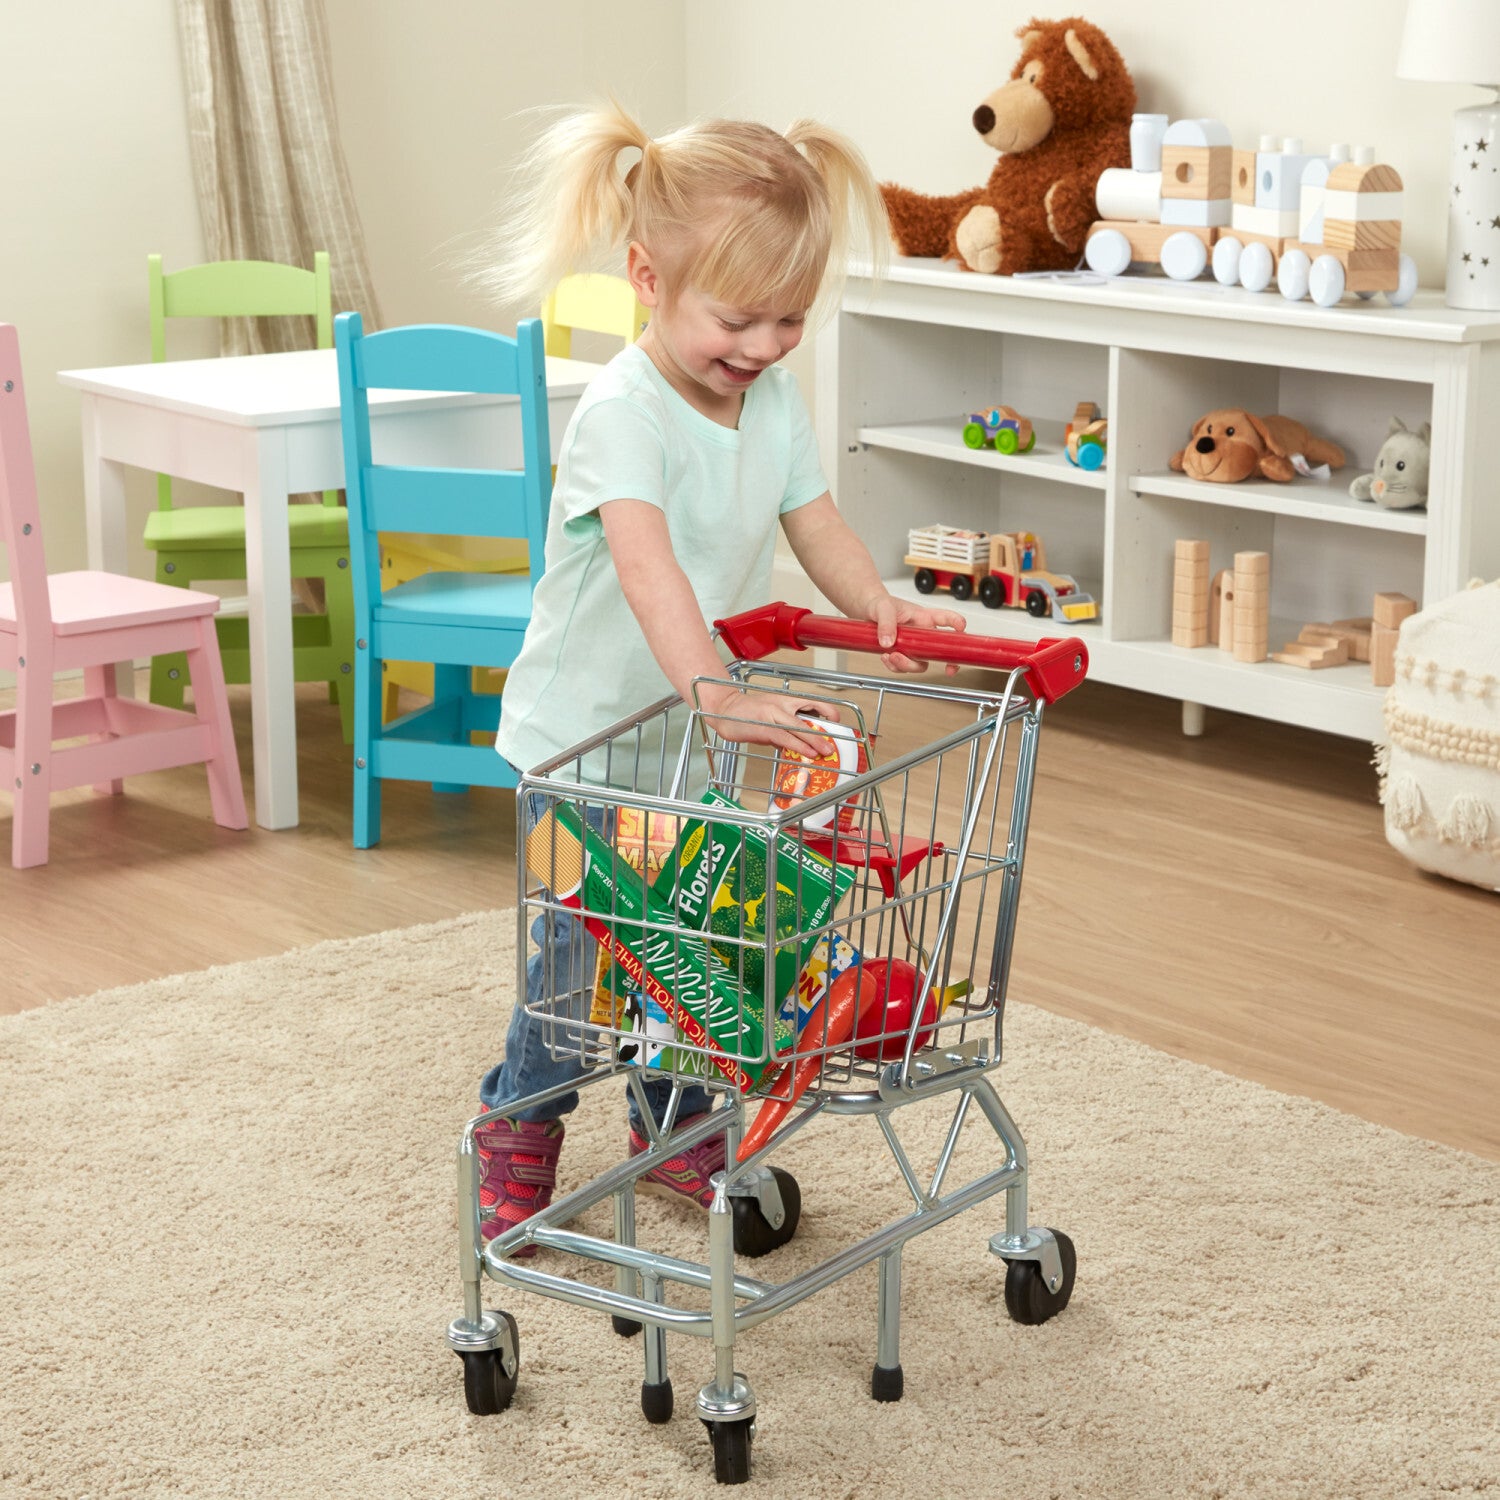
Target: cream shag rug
226 1214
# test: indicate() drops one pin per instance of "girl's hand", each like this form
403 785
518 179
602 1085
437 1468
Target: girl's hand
889 613
764 719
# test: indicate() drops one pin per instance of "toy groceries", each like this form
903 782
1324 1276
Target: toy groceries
1005 567
897 985
799 776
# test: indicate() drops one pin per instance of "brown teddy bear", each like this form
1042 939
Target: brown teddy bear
1229 445
1061 120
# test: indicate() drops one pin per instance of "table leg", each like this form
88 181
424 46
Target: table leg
105 518
273 698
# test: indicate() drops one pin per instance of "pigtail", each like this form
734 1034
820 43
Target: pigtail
572 204
858 228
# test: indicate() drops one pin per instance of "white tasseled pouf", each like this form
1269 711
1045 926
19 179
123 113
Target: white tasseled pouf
1440 767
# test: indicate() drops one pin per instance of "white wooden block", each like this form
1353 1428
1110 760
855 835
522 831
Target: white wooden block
1208 213
1274 223
1358 208
1202 132
1278 179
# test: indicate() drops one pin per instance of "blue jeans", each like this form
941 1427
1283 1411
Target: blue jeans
566 953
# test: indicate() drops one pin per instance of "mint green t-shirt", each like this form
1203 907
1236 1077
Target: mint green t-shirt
585 663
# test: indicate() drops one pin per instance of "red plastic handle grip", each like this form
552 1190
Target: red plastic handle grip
1052 666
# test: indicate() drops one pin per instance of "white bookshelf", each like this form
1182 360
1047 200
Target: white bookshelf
904 361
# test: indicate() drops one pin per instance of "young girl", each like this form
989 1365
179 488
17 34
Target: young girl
680 462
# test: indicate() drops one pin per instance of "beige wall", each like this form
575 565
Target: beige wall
94 168
94 176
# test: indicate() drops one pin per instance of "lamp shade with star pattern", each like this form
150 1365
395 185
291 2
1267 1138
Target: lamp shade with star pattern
1458 41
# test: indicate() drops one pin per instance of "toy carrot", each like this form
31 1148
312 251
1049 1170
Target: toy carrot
850 995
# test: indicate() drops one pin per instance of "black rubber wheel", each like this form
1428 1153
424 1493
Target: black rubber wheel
753 1234
926 580
1027 1299
487 1388
627 1328
887 1385
656 1401
731 1442
962 586
991 592
1037 604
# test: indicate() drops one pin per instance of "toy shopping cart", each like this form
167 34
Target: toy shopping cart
806 940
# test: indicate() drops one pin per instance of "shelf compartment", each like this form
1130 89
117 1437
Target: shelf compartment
1308 501
943 438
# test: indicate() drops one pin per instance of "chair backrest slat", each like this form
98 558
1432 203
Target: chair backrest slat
445 502
593 303
20 515
441 501
438 357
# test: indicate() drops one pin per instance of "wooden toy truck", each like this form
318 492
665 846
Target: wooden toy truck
1005 567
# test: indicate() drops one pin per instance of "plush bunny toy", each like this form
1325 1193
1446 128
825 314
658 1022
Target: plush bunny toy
1400 478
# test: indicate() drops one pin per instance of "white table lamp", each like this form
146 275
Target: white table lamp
1458 41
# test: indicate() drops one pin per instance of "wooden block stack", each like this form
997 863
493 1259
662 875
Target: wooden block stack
1252 605
1221 610
1390 611
1190 594
1320 645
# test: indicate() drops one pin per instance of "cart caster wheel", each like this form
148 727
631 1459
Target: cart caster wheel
1027 1299
627 1328
753 1233
656 1401
731 1442
488 1389
887 1385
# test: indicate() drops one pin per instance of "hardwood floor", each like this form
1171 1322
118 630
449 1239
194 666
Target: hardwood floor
1229 899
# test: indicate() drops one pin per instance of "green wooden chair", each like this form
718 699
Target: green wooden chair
208 541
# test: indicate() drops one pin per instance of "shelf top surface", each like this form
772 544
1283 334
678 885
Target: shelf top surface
1426 316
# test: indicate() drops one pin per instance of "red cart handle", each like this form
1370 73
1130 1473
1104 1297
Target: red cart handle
1053 666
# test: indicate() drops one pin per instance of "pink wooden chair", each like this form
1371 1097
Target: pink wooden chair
91 620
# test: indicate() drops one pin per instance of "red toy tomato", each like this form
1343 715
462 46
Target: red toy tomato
891 1009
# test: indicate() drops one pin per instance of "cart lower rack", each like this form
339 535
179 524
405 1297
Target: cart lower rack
796 941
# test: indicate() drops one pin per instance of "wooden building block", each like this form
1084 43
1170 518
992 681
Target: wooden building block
1312 654
1190 550
1246 563
1221 607
1199 172
1146 240
1382 654
1347 234
1358 632
1351 177
1242 177
1392 609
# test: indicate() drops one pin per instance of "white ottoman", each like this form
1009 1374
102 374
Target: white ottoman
1440 766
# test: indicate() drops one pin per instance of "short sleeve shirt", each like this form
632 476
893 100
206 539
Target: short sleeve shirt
585 663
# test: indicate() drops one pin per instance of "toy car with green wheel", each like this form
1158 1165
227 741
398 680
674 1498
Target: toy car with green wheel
1002 428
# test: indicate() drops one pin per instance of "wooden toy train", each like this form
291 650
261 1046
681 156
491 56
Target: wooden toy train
1320 226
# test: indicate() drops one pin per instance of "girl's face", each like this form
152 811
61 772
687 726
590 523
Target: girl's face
710 351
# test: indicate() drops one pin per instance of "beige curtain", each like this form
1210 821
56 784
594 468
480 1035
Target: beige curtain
270 172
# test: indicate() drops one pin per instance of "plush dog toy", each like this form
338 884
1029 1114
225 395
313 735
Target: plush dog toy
1228 446
1060 121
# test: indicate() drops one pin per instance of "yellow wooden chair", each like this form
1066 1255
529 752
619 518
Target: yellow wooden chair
588 303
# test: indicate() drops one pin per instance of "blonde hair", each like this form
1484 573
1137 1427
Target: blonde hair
743 214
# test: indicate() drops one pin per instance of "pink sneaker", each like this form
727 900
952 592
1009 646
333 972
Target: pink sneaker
518 1172
689 1172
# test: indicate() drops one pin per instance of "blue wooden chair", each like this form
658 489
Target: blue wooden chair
455 620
